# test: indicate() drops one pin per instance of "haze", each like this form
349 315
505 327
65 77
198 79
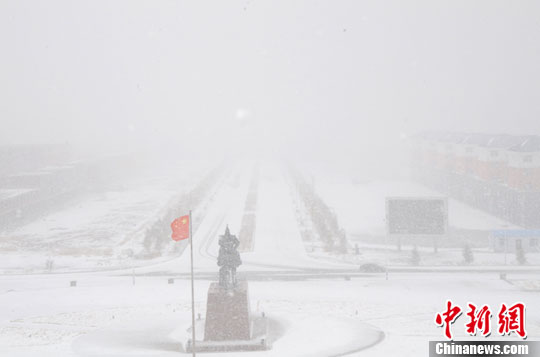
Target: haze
315 78
358 167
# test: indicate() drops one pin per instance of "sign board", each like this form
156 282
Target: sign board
516 233
416 215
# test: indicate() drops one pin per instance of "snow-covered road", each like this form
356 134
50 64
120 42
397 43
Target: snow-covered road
277 241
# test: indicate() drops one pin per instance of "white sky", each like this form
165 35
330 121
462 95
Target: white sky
325 76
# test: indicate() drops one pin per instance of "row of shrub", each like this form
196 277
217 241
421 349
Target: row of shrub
247 230
323 219
157 237
468 255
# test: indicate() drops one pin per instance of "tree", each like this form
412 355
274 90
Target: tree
49 264
342 241
520 255
468 256
415 256
147 242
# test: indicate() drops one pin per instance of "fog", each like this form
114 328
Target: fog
308 77
282 178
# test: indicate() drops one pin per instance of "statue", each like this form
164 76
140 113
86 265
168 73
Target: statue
228 259
229 325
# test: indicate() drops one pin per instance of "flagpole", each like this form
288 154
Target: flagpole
192 290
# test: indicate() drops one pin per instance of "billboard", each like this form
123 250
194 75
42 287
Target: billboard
416 215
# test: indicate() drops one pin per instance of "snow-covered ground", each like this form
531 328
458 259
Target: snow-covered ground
361 206
6 193
108 316
312 312
96 232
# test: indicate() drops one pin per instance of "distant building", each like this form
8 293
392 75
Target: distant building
499 174
523 172
493 157
511 240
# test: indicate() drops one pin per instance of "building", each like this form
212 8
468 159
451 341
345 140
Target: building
499 174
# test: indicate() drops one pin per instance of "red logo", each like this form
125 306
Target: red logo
450 315
511 319
479 320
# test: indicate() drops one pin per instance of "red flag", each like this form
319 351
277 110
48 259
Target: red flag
180 228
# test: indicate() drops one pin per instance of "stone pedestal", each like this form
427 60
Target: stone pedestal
227 313
228 325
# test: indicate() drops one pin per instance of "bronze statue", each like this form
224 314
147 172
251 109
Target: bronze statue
228 259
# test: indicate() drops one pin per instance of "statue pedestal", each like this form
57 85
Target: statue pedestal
227 313
228 325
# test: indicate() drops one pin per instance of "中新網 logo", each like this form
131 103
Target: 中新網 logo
510 319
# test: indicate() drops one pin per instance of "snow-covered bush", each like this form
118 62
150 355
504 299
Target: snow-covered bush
468 256
415 256
520 256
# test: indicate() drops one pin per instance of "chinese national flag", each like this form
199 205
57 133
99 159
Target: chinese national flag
180 228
